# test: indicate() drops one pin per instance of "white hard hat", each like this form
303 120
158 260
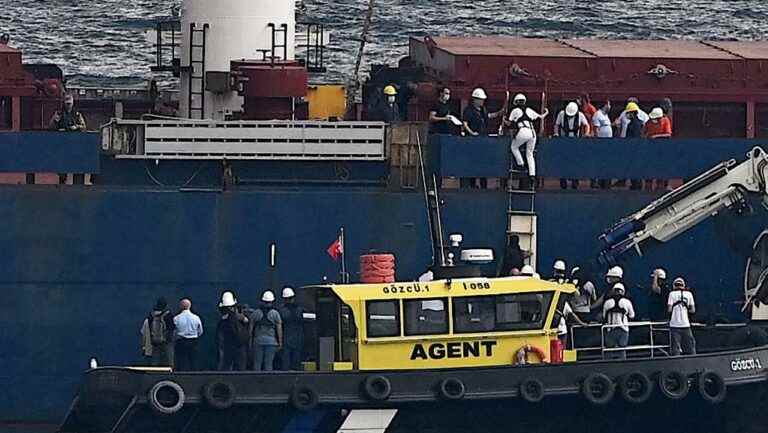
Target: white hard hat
656 113
616 272
571 109
559 265
268 297
679 281
519 97
527 270
479 94
288 293
619 286
227 299
659 273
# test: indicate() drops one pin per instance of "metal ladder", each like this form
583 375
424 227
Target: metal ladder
521 214
275 30
196 71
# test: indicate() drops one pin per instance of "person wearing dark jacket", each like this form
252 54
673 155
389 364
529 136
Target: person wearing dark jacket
388 109
232 335
292 316
67 119
157 335
514 257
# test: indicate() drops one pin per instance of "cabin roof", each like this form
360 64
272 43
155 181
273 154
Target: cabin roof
457 287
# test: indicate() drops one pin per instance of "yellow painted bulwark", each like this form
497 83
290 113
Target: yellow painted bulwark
326 101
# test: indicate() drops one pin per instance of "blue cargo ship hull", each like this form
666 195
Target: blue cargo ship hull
83 265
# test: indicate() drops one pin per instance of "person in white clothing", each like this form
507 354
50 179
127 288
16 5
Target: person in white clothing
571 122
602 122
523 133
622 121
562 324
427 276
680 304
617 310
585 295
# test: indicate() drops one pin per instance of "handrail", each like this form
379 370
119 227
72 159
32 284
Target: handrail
652 347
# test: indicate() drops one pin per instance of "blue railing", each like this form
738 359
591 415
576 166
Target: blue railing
49 152
588 158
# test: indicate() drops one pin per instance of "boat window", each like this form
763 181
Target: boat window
425 316
383 318
473 314
500 313
521 312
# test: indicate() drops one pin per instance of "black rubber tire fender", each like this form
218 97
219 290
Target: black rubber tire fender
377 387
636 387
219 395
673 384
304 398
451 388
712 387
598 388
532 390
157 405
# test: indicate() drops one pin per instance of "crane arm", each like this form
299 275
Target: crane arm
724 186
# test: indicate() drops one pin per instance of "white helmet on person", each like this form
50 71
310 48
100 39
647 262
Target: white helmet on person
659 273
559 265
288 293
527 271
268 296
479 93
615 272
656 113
227 299
571 109
519 99
679 282
619 288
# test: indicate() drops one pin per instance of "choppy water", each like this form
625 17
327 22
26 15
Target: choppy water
98 41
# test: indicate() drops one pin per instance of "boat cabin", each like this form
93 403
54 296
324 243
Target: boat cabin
461 322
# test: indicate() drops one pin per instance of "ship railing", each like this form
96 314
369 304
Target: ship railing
175 138
656 340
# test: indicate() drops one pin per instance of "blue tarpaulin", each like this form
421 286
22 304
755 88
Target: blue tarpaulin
49 152
588 158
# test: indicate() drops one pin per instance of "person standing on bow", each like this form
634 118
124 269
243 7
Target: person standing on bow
658 296
617 311
233 334
292 316
267 333
679 305
523 134
189 329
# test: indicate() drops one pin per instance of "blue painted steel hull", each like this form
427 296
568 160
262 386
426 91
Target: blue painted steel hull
82 268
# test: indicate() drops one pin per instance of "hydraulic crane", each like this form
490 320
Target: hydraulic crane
727 185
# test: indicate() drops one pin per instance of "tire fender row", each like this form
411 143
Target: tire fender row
167 397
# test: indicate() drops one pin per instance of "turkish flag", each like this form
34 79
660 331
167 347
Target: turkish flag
336 249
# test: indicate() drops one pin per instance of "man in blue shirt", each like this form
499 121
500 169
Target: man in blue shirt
189 328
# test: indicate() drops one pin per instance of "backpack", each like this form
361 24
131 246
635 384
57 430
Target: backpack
242 330
158 331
